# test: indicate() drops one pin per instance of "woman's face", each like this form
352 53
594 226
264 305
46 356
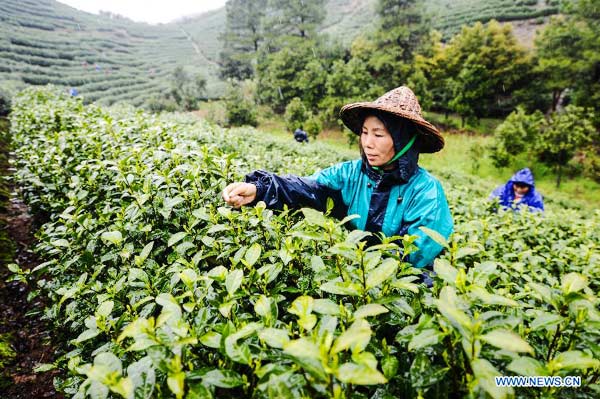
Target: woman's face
520 189
376 141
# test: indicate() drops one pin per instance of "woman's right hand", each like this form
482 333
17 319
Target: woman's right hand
238 194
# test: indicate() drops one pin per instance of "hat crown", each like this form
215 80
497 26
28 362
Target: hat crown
400 99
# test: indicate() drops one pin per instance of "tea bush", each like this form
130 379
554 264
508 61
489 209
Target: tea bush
162 291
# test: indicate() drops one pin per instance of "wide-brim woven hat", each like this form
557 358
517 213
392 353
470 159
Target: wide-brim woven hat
400 102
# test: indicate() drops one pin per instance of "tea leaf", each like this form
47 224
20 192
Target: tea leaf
573 360
274 337
234 281
372 309
527 366
262 307
341 288
485 374
573 282
424 339
211 339
507 340
546 321
222 378
314 217
252 254
326 306
356 337
302 347
352 373
175 238
143 377
114 237
381 273
139 260
445 271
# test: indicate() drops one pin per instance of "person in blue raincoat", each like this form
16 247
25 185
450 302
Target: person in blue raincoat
300 136
519 191
385 187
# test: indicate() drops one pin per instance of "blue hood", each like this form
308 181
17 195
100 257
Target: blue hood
523 176
506 196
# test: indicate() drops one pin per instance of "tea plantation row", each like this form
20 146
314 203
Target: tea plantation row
159 290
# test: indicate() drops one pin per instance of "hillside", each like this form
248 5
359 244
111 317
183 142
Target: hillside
111 59
449 15
345 19
106 59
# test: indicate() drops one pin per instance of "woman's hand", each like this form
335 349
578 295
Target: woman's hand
238 194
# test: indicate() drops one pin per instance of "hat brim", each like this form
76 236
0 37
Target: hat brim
430 140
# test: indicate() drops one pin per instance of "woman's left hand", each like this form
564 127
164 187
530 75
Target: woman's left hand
238 194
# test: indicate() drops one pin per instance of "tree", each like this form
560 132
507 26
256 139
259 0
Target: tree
295 71
312 81
483 66
4 103
565 133
388 53
517 135
313 126
569 54
241 111
289 19
187 90
429 79
242 38
296 115
553 140
469 91
346 82
560 62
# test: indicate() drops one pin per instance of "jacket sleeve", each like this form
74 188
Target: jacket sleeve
536 204
497 193
295 192
430 209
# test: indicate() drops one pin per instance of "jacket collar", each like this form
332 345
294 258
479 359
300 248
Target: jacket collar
404 168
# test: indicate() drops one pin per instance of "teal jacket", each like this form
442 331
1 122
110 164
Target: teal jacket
385 202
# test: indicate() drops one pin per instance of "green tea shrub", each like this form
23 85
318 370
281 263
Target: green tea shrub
165 292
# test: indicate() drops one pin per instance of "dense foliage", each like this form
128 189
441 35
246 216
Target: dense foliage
161 291
243 34
480 72
240 110
554 140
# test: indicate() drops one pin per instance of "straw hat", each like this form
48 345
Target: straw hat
400 102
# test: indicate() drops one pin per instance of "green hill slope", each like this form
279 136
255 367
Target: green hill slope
111 59
449 15
106 59
345 19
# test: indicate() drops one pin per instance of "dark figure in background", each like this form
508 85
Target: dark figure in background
300 136
519 191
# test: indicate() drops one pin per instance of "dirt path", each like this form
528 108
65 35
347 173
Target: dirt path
197 48
25 336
